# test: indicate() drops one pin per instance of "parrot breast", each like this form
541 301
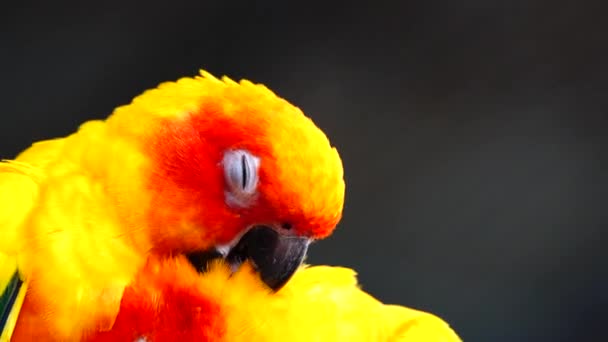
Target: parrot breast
170 301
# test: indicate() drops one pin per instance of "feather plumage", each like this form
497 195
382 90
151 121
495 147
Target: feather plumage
172 302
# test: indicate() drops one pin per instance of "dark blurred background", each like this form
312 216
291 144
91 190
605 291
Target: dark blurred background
473 133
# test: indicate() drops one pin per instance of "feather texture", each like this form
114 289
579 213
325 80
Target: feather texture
172 302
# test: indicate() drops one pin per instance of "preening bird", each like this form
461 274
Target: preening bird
197 193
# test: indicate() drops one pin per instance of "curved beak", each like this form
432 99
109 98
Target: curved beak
274 255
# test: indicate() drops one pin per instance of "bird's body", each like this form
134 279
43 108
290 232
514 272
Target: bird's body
320 303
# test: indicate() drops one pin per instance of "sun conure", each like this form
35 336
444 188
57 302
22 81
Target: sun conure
198 169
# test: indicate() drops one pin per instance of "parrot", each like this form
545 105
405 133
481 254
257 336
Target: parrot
196 182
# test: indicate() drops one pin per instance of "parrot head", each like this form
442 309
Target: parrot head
232 171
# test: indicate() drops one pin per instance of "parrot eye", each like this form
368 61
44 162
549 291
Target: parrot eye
241 175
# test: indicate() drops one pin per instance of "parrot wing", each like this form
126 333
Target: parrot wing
13 293
19 188
18 193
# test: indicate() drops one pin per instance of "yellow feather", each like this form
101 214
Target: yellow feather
320 303
84 259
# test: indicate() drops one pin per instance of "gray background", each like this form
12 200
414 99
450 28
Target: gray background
473 133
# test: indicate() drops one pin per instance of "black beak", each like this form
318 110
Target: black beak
275 256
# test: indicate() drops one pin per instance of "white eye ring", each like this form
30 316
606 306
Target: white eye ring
241 175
